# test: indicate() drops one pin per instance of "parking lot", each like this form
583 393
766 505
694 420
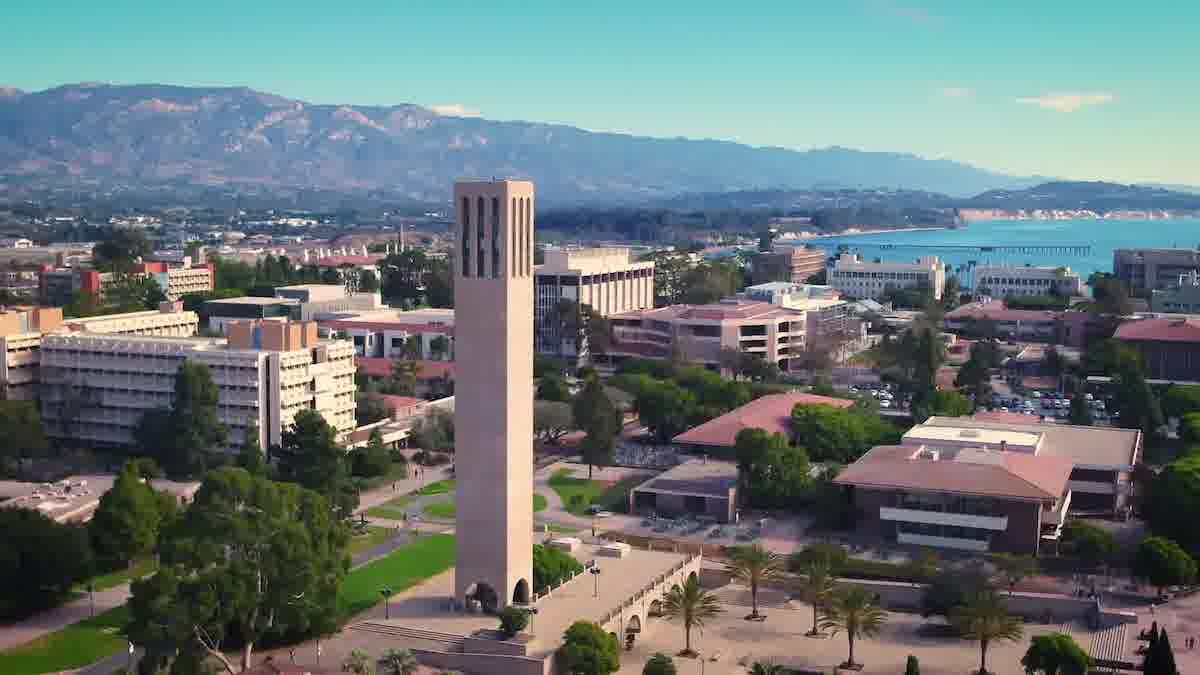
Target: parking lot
1056 406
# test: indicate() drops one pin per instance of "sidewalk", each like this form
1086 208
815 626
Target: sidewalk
385 493
12 635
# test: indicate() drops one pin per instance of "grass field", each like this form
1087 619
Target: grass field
426 557
578 494
104 582
440 487
72 647
373 537
447 510
392 509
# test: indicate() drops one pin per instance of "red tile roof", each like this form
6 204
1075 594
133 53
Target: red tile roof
414 327
1013 475
770 413
996 311
399 402
1160 330
426 370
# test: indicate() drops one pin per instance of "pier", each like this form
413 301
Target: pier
1030 249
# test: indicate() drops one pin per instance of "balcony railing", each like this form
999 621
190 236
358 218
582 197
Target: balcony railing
998 523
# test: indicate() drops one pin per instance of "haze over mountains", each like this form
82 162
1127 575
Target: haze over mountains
136 137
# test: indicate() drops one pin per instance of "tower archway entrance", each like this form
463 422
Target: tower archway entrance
484 597
520 594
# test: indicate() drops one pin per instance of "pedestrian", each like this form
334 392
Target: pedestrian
1152 609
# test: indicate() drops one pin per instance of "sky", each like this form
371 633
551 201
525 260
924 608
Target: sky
1066 88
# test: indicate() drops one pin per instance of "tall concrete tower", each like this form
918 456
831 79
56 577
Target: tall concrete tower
493 416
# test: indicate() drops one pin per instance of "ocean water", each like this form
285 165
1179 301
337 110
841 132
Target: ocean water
1102 235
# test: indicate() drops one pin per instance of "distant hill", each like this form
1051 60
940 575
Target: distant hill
1096 196
127 139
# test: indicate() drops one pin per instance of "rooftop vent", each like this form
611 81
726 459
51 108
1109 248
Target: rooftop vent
969 433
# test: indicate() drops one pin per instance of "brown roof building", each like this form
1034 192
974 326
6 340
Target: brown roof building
771 413
1170 347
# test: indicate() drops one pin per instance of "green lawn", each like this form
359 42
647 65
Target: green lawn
447 510
72 647
404 568
440 487
398 471
578 494
104 582
561 529
392 509
373 537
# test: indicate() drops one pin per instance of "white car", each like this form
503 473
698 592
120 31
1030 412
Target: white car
884 403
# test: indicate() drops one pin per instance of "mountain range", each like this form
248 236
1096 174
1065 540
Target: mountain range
126 138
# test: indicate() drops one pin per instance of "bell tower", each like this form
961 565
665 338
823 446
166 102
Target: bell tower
493 416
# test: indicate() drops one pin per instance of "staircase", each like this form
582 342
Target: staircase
449 642
1109 644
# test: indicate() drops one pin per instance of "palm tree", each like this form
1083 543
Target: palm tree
755 565
359 663
398 662
984 618
1014 568
692 605
855 611
766 668
815 589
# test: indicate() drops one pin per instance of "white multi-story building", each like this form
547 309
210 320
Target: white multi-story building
1004 281
388 333
95 388
606 279
22 330
858 278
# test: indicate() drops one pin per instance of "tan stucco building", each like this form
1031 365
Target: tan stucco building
493 297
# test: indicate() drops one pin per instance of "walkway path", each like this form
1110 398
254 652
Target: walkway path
34 627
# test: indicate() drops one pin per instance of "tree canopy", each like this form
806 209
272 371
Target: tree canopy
311 457
40 561
1163 563
183 439
126 523
596 416
840 435
1055 654
589 650
771 473
1175 491
248 560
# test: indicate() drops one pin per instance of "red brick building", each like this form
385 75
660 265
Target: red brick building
1170 347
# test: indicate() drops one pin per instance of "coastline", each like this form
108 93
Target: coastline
854 232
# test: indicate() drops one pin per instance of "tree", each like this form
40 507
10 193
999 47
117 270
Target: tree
771 474
953 587
369 409
248 560
692 606
950 404
398 662
1180 400
439 347
358 662
754 565
1175 491
597 331
553 388
310 456
40 561
551 420
666 409
832 434
513 620
1160 659
1055 654
1014 568
23 434
985 619
1163 563
853 610
589 650
1081 412
123 247
250 454
551 567
367 282
659 664
434 431
923 565
816 587
126 523
595 414
912 666
374 459
1092 544
766 668
195 431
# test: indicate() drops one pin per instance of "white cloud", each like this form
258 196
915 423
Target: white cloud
454 110
956 92
1067 102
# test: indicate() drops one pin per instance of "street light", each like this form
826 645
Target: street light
386 592
532 612
92 596
595 571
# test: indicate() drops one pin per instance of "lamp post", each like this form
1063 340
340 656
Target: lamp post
386 592
595 572
92 598
532 612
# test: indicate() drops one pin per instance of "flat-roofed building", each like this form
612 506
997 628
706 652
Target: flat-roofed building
1154 267
1027 325
606 279
790 263
22 330
221 313
857 278
964 497
1180 298
95 388
1003 281
695 488
395 333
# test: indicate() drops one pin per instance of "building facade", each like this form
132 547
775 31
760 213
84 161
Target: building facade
1006 281
394 333
493 431
1170 347
993 319
857 278
22 330
1180 298
606 279
1151 268
96 387
792 264
59 286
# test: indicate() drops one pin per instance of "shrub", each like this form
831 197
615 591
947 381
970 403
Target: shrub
513 621
911 666
551 567
831 554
